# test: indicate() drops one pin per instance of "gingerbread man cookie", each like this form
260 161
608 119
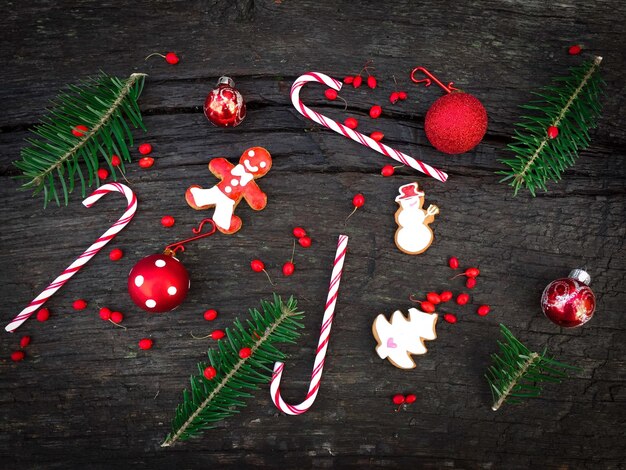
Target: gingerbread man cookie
399 338
237 182
414 235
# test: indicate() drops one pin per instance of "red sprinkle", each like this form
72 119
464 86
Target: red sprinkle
462 299
103 173
331 94
117 317
209 373
145 149
245 353
574 50
17 356
388 170
79 131
348 80
398 399
115 160
450 317
357 81
217 334
371 82
304 242
553 132
433 298
377 136
375 111
299 232
171 58
351 123
43 314
210 314
394 97
410 398
116 254
105 314
483 310
168 221
79 304
470 283
145 343
445 296
257 265
24 341
146 162
288 268
453 263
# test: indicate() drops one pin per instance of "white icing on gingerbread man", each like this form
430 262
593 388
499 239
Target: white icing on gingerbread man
413 236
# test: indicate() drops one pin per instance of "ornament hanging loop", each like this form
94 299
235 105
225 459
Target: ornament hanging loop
431 78
173 248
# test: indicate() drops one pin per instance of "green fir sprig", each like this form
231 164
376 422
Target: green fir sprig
517 372
212 400
571 105
55 157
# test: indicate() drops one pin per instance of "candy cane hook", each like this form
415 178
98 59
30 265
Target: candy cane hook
352 134
322 344
87 255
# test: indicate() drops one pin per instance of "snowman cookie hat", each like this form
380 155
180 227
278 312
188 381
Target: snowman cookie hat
409 191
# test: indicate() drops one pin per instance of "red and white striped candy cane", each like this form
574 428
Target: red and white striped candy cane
87 255
350 133
322 345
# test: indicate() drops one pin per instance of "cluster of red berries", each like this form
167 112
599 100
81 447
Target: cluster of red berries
210 372
289 267
17 356
403 400
433 298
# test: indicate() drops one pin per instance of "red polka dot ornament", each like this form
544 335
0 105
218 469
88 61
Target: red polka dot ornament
456 122
159 283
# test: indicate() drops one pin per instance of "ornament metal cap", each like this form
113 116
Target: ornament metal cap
580 275
226 81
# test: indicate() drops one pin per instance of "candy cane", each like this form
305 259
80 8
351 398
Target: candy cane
322 345
87 255
352 134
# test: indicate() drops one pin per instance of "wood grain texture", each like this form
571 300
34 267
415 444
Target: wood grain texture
86 397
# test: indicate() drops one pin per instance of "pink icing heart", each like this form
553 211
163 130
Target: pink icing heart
391 344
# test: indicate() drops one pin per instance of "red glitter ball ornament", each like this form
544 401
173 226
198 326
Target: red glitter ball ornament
456 123
569 302
224 106
158 283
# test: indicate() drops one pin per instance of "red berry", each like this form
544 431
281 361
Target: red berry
462 299
427 306
357 81
145 148
167 221
453 263
171 58
375 111
394 97
79 304
450 317
387 170
209 373
79 131
210 314
402 95
483 310
116 254
245 352
410 398
469 272
288 268
377 136
105 314
553 132
257 265
103 173
24 341
117 317
574 50
433 298
470 283
146 162
445 296
115 160
299 232
43 314
305 242
17 356
348 80
145 343
351 123
217 334
398 399
371 82
331 94
358 200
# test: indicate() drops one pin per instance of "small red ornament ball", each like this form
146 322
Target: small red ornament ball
456 123
116 254
17 356
224 105
145 343
569 302
158 283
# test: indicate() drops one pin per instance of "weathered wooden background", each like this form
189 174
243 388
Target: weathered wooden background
85 397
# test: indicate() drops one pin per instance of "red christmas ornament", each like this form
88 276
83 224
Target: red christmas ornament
569 302
159 283
456 122
224 106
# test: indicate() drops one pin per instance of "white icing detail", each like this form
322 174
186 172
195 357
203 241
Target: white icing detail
171 290
228 189
159 263
214 196
139 281
414 236
150 303
262 164
399 338
234 182
244 176
249 166
251 153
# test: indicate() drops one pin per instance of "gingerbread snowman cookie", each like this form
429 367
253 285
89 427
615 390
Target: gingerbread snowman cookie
414 234
237 183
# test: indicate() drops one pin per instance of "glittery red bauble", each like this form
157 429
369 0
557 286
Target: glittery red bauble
158 283
569 302
224 106
456 123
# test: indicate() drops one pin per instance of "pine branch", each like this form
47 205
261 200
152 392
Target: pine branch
213 400
571 105
517 372
56 156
